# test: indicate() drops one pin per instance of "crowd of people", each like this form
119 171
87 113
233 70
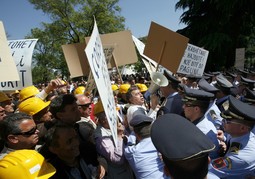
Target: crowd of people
193 127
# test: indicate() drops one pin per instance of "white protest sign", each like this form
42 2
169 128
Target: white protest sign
8 70
193 61
149 63
97 62
22 51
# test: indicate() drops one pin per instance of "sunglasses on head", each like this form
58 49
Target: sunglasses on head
28 133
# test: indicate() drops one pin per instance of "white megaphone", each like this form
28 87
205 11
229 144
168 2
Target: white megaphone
157 80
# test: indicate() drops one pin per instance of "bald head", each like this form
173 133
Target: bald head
82 99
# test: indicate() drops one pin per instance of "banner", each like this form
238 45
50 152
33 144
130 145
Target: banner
22 51
97 62
193 61
8 70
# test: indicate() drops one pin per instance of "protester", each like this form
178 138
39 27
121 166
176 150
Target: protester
142 156
18 131
136 100
84 106
184 148
39 110
118 166
65 110
6 103
2 113
63 141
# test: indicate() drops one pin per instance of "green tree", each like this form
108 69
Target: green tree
218 26
72 21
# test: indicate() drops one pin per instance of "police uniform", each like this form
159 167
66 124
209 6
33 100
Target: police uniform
179 141
223 85
239 160
202 98
213 112
173 103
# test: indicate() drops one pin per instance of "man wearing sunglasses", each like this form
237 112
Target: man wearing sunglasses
84 106
18 131
196 103
239 159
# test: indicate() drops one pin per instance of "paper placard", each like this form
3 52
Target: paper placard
8 69
22 52
97 62
193 61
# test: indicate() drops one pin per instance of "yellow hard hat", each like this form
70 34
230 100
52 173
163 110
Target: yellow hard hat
28 92
4 97
98 107
79 90
124 88
33 105
115 87
142 87
25 164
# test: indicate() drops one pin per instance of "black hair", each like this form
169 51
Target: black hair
59 103
193 168
10 124
52 136
129 93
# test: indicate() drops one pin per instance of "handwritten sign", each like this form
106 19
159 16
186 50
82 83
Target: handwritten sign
193 61
22 51
8 70
97 62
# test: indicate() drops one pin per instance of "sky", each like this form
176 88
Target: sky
19 16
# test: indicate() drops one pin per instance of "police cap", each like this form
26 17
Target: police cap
239 110
139 119
196 96
177 139
222 83
204 85
171 78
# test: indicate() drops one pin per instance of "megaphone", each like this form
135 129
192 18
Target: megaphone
157 80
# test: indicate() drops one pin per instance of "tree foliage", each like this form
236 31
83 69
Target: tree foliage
71 22
219 26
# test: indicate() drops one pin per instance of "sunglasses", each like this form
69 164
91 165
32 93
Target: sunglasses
189 105
229 121
28 133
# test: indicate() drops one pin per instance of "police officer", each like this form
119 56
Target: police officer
173 101
213 112
184 148
224 92
196 103
239 160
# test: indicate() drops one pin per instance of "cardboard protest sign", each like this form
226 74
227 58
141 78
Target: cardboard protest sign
240 58
124 48
8 69
76 59
97 62
193 61
165 46
149 63
22 52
